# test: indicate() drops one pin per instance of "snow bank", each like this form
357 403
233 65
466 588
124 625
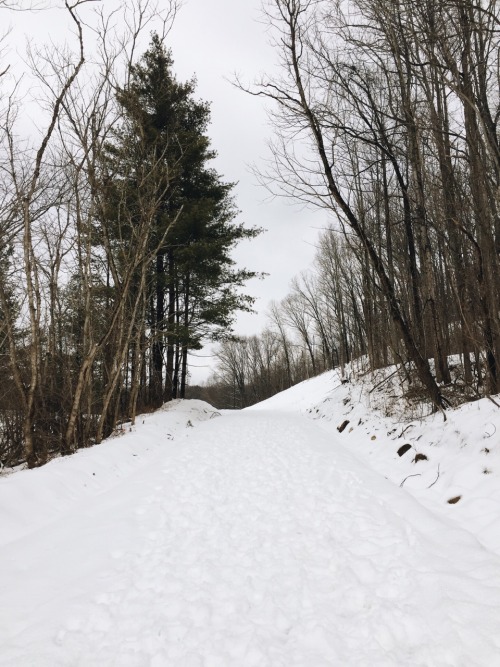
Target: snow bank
462 454
36 497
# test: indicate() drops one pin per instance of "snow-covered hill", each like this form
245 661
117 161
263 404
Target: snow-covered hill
264 538
447 460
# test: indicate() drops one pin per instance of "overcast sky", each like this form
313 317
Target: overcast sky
213 40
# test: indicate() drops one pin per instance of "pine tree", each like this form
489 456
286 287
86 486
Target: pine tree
161 153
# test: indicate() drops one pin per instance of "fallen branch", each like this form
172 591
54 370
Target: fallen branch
488 435
492 400
436 478
384 380
405 429
418 474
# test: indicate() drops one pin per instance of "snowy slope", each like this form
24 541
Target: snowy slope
462 453
251 539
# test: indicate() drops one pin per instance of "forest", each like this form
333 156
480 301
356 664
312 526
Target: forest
116 236
386 116
117 233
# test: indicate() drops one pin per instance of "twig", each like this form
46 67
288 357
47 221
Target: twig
418 474
492 400
435 479
384 380
405 429
490 434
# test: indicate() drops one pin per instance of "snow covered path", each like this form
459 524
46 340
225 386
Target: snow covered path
258 542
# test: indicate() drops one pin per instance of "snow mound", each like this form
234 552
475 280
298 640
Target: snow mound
304 396
38 496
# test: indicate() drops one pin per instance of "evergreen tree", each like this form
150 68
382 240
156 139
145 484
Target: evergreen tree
160 156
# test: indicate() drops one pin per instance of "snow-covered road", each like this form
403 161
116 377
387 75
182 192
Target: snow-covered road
256 541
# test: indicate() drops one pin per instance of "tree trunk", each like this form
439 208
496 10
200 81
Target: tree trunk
171 338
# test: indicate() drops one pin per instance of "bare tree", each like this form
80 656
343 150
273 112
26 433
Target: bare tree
305 97
26 182
53 324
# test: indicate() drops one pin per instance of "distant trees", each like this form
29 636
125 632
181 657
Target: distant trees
318 326
386 114
116 238
249 370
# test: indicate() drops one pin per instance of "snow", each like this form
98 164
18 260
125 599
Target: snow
463 452
261 538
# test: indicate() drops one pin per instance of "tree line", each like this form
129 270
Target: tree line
386 116
116 236
318 326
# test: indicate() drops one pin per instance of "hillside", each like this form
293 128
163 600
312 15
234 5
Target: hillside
462 454
260 538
